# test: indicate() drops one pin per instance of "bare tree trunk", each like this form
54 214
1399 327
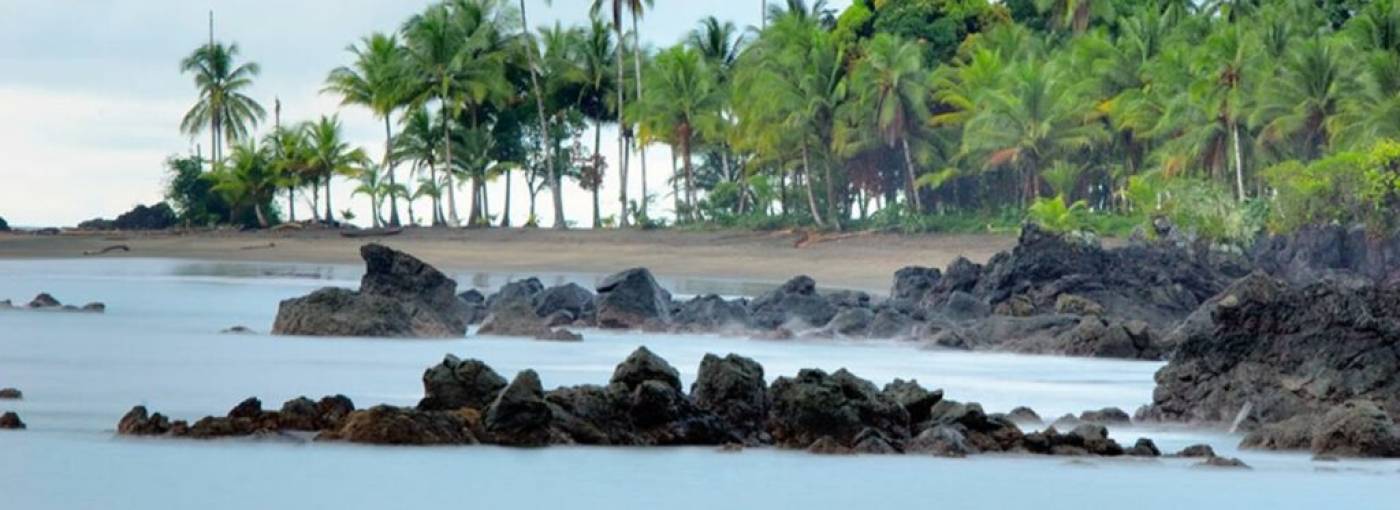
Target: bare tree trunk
811 196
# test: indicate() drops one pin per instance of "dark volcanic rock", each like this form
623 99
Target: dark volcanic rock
520 416
632 299
399 296
389 425
711 313
1285 352
733 388
11 421
457 383
814 405
796 301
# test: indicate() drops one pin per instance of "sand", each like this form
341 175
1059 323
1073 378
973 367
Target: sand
864 261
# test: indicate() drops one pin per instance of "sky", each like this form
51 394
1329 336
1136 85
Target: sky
91 95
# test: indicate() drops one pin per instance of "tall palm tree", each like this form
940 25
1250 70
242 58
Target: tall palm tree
331 156
249 180
378 80
223 107
893 96
683 95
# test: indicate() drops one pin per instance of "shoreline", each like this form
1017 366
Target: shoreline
857 261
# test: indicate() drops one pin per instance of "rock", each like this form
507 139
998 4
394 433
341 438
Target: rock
1197 451
1024 416
914 282
643 365
1106 416
711 313
11 394
940 441
851 322
137 422
1285 352
796 303
11 421
44 300
814 404
632 299
399 296
915 400
1077 305
1357 428
520 416
456 383
733 389
514 318
389 425
571 298
1144 448
889 323
1223 462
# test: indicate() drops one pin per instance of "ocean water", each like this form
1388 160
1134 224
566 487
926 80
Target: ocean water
159 345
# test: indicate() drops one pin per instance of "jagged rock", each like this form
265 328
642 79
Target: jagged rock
710 313
632 299
796 302
852 322
11 421
11 394
840 405
1106 416
916 400
643 365
389 425
733 389
940 441
399 296
44 300
457 383
571 298
138 422
1285 352
520 416
1358 428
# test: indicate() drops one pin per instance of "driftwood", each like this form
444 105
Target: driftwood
371 232
109 249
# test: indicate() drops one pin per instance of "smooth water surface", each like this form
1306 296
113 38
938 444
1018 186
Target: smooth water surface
159 345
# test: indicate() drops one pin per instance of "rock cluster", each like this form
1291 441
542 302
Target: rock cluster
399 296
644 404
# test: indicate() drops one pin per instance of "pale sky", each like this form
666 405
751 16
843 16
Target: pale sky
91 95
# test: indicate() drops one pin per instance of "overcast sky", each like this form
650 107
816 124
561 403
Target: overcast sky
91 95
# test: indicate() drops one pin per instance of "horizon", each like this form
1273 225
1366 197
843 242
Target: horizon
94 100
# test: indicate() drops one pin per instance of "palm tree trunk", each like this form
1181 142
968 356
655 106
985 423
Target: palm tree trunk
621 126
388 167
811 197
1239 160
637 59
909 176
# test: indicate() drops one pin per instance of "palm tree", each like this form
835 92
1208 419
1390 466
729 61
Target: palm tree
683 95
893 96
249 180
330 155
377 80
223 107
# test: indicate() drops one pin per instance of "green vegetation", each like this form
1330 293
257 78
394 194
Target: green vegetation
1227 118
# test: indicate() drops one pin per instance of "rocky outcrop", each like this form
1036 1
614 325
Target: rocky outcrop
633 300
1284 352
456 383
1347 255
399 296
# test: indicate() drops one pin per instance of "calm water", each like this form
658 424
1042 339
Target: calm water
158 345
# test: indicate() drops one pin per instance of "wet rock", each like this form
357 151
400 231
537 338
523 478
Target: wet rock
520 416
733 389
399 296
11 394
571 298
387 425
940 441
632 299
711 313
1106 416
11 421
138 422
915 400
796 302
1357 428
815 404
643 365
44 300
457 383
1197 451
851 322
1285 352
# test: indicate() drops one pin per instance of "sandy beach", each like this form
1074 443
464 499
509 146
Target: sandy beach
864 261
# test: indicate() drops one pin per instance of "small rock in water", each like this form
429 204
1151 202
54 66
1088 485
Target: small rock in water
11 421
11 394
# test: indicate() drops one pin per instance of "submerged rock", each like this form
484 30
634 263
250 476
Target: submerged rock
399 296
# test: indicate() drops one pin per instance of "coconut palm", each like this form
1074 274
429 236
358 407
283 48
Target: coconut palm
892 94
330 155
377 80
249 180
223 106
683 95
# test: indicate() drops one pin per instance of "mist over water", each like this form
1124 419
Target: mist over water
159 345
